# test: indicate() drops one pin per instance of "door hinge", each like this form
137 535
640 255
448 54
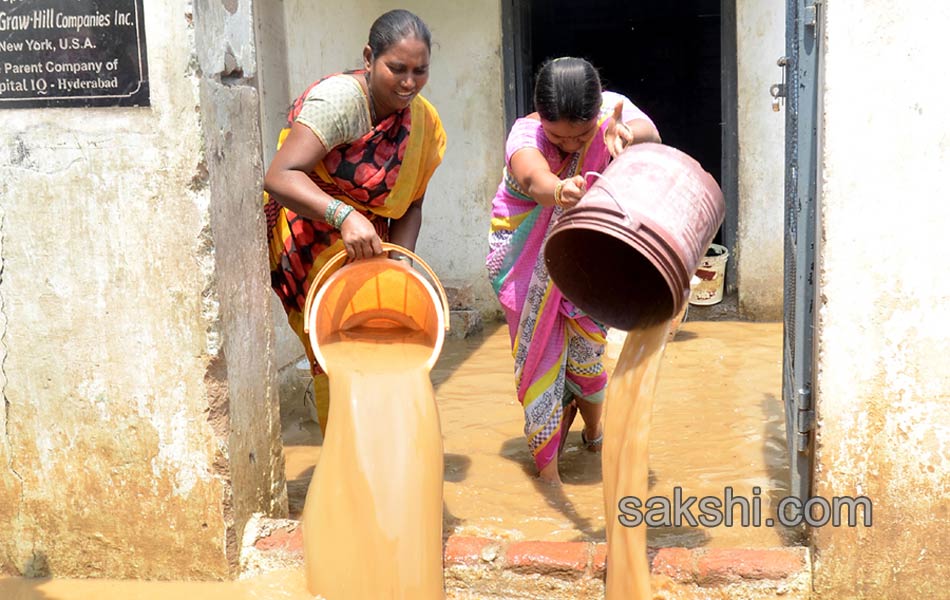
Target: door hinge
810 14
803 399
806 421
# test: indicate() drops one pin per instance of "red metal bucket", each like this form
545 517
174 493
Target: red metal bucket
626 252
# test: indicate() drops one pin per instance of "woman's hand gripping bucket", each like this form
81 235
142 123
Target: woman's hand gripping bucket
379 293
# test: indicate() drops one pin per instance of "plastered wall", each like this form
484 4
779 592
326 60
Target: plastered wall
883 349
139 428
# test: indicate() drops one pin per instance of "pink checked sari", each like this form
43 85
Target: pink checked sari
557 349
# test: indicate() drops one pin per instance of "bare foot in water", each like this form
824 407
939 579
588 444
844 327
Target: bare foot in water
549 474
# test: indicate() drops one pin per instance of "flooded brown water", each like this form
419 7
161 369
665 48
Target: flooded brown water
717 422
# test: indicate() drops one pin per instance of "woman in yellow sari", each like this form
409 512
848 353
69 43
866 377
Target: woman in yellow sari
352 168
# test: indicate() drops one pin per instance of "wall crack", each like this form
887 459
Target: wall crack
10 551
3 356
3 334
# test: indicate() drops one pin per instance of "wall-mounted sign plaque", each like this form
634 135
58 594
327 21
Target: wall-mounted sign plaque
72 53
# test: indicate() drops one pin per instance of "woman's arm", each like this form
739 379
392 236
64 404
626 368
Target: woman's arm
530 169
643 131
288 181
287 178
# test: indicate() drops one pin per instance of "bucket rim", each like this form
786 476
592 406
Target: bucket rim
671 266
439 303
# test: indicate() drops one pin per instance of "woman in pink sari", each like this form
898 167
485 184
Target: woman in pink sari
558 350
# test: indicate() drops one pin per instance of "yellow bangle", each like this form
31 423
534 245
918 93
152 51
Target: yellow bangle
557 193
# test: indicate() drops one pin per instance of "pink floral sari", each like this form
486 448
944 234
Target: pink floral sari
557 349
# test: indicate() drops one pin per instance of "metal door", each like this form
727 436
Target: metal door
516 51
799 88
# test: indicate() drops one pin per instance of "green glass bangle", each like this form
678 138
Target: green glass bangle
342 215
331 211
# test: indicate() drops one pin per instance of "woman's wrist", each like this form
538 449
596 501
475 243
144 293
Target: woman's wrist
558 191
337 212
342 215
328 214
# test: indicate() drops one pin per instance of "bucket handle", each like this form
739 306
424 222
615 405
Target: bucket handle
607 188
335 262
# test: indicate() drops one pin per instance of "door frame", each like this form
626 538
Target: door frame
517 61
800 90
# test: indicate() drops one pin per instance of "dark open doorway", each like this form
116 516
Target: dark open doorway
675 60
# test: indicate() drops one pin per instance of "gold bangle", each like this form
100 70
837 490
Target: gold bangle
557 193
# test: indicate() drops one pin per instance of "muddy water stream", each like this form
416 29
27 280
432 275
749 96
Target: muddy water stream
630 396
376 497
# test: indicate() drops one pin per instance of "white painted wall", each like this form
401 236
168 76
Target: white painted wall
883 329
138 428
760 27
467 88
327 37
271 43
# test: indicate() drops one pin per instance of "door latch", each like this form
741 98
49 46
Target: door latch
778 90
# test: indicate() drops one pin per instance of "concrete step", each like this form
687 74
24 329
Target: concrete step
481 568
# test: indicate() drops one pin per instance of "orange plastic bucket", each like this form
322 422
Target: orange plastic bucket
378 293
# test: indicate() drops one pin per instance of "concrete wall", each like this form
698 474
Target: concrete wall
883 337
760 28
271 36
241 387
275 94
465 86
326 37
140 427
